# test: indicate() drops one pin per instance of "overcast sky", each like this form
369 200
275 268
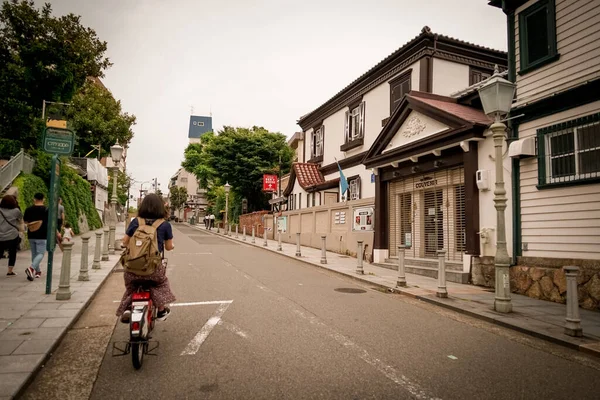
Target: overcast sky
252 62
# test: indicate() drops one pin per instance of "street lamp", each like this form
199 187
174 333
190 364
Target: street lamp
496 97
227 188
116 151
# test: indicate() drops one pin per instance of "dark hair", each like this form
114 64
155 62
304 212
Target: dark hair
38 196
67 225
9 202
152 207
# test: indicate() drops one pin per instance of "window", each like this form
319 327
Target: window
355 123
460 237
307 200
398 88
537 35
478 75
570 152
317 142
299 201
354 188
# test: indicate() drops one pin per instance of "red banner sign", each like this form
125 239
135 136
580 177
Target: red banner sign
270 183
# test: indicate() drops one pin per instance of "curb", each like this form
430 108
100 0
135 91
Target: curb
556 340
19 392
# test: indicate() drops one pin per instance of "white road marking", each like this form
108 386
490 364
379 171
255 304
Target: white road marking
194 345
390 372
232 328
201 303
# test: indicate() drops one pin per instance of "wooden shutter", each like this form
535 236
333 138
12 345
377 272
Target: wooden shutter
347 128
361 132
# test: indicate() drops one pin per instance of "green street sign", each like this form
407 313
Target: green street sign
59 141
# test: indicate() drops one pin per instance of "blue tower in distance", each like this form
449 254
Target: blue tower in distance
199 125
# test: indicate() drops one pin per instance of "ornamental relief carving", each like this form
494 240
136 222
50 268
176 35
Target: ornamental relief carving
413 127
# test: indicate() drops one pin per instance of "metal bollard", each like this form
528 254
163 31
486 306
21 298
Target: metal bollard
244 233
266 242
237 236
64 286
97 251
279 248
359 259
441 290
105 245
323 249
229 231
298 249
253 234
401 273
218 228
573 322
83 268
111 240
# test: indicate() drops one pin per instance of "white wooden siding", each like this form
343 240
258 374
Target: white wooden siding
558 222
578 43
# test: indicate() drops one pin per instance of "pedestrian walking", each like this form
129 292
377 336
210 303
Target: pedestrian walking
61 215
211 222
68 234
36 220
11 226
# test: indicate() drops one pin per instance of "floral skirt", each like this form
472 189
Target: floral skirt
160 290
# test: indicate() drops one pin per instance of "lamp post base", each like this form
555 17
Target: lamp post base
502 301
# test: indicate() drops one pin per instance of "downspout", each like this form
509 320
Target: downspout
513 128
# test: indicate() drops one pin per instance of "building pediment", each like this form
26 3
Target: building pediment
422 123
417 126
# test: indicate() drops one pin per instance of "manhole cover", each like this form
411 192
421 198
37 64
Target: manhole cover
350 290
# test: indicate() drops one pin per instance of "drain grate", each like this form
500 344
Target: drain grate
350 290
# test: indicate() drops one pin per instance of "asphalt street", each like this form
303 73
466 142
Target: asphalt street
283 329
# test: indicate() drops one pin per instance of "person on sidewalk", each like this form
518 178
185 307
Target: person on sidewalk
61 214
36 219
11 226
151 210
68 234
211 222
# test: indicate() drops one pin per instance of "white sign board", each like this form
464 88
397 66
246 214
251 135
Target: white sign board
363 219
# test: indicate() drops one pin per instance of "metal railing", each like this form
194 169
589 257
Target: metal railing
17 164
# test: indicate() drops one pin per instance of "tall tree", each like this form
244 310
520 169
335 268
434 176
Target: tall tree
97 118
178 197
239 156
42 57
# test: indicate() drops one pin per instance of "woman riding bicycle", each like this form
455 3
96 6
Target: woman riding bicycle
151 209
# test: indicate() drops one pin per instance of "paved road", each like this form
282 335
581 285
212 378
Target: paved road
292 332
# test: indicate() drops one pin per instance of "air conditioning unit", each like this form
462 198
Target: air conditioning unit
522 148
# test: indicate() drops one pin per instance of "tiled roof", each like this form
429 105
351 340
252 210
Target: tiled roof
473 88
450 106
308 174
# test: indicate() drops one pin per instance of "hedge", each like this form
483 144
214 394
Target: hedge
77 199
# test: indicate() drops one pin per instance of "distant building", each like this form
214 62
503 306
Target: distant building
199 125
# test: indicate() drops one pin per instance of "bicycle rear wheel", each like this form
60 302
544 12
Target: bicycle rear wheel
137 354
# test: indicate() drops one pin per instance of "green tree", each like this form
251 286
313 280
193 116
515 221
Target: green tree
42 57
178 197
97 118
239 156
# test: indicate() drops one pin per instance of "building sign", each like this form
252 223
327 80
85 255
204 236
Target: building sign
270 183
363 219
426 182
339 218
282 224
59 141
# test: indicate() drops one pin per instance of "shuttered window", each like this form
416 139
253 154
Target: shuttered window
354 127
398 88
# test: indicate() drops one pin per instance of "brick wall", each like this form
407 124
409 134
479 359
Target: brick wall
253 219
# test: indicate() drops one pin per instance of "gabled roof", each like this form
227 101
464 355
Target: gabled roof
309 178
460 119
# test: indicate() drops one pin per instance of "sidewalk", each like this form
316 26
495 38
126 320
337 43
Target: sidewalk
539 318
33 323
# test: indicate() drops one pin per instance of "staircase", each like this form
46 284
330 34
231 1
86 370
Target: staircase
429 267
17 164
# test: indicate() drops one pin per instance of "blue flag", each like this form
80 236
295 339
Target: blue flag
343 181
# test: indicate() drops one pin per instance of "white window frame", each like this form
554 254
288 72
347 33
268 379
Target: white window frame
354 189
317 142
576 152
354 128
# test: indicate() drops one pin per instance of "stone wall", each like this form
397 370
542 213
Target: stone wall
545 283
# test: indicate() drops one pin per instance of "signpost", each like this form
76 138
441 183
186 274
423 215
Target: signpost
269 183
57 141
